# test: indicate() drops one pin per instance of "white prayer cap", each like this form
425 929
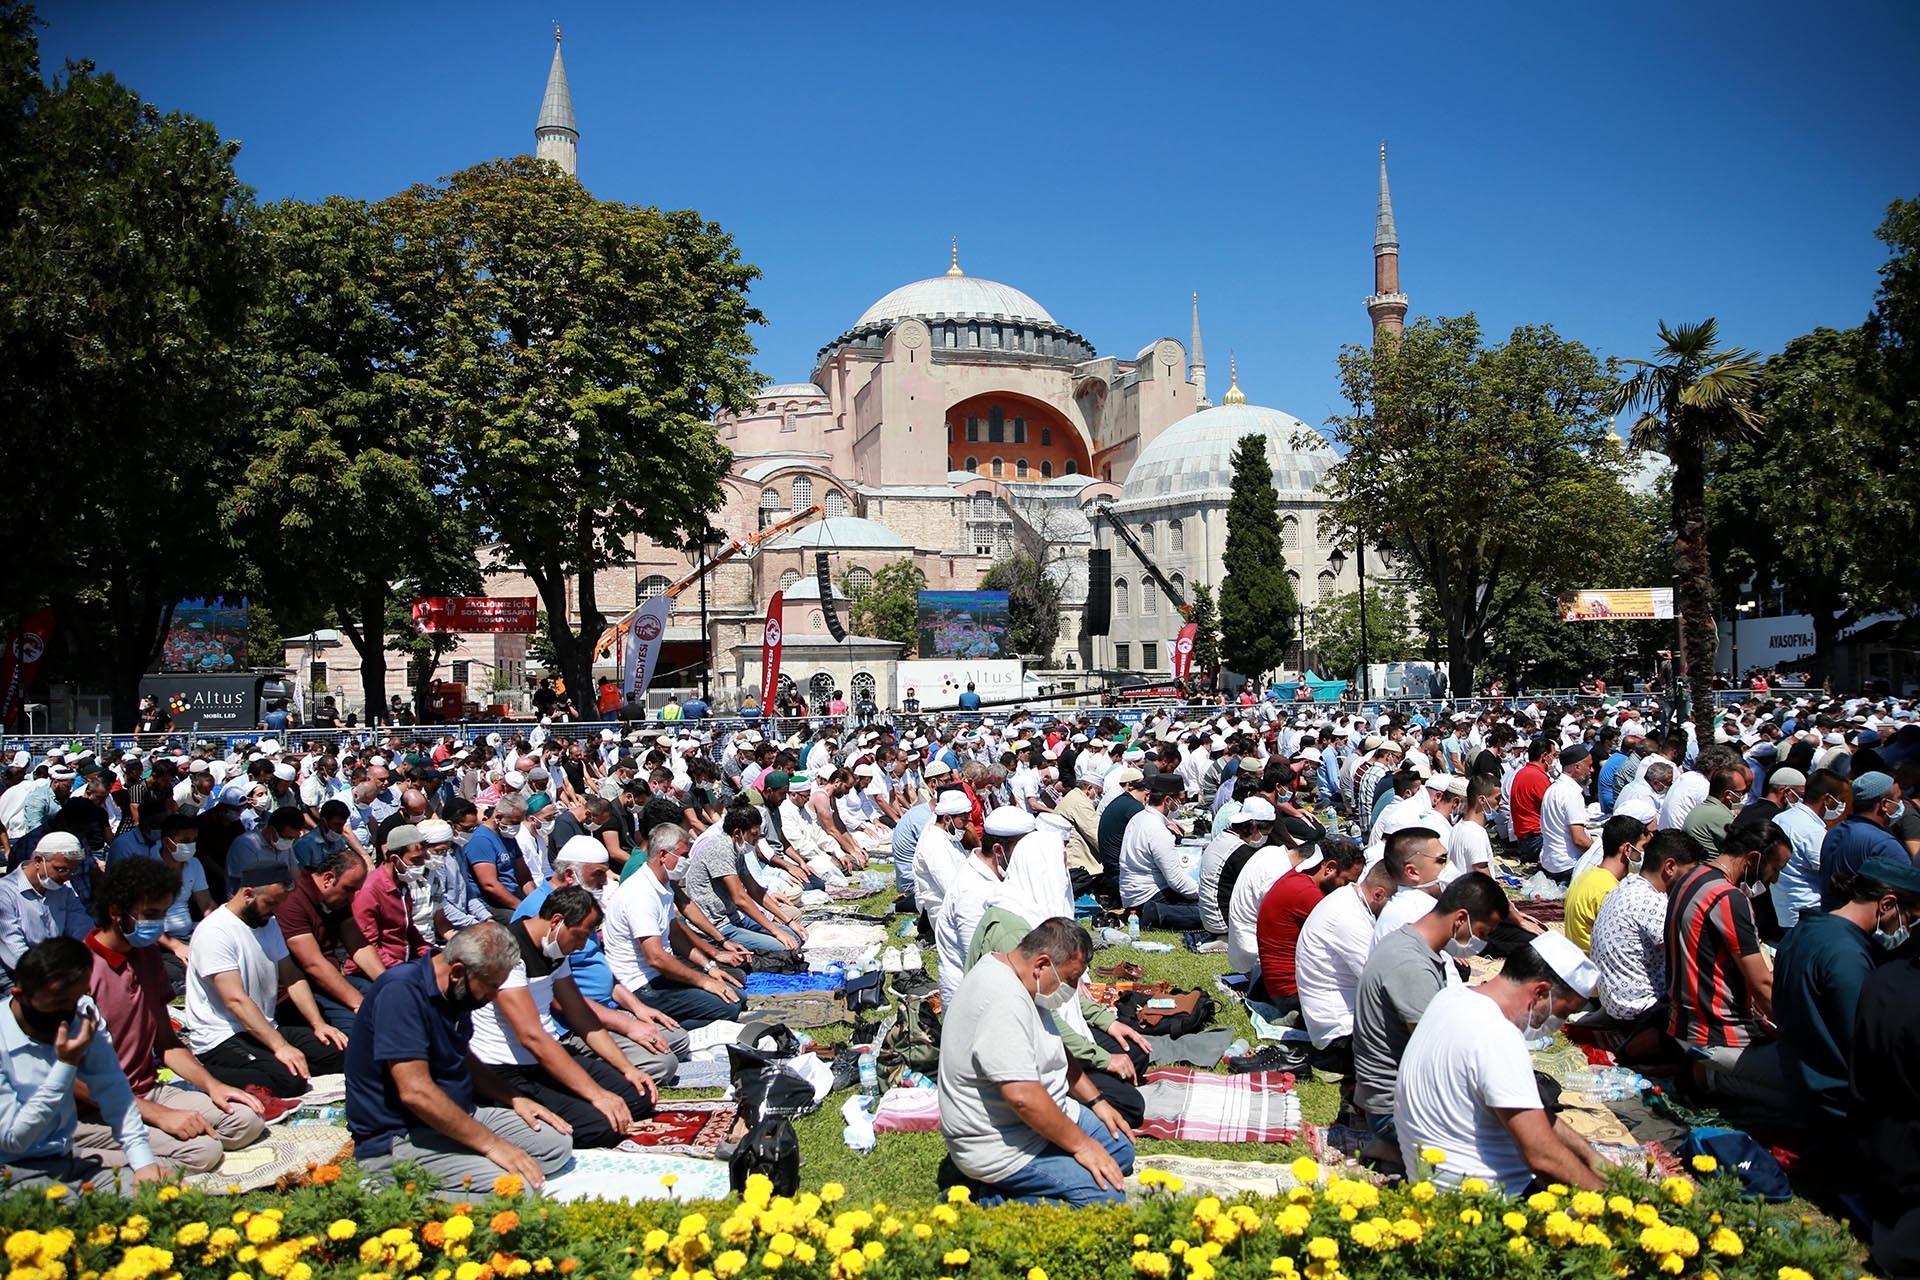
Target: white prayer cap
952 803
436 831
1254 809
1566 958
581 849
285 772
1009 820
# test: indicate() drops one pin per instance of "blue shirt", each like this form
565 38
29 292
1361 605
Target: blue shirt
133 844
969 701
1846 847
1823 962
693 709
404 1018
316 846
591 972
1607 771
906 838
485 845
37 1110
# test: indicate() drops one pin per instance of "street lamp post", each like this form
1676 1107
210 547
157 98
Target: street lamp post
1338 560
709 538
1744 606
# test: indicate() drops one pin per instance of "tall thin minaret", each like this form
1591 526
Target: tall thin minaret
1197 361
1387 306
556 136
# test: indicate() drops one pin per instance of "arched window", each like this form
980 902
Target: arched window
1046 471
788 578
1146 538
1293 583
973 427
790 422
1073 468
981 505
802 492
1324 530
999 468
820 688
973 463
1020 469
769 499
1120 590
863 682
1149 596
1046 435
836 503
1176 536
1327 585
860 578
1180 583
996 425
1019 430
654 585
1289 532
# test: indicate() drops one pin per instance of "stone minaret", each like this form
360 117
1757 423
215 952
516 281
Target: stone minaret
556 137
1388 306
1197 362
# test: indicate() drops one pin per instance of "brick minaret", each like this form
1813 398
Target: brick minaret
1387 307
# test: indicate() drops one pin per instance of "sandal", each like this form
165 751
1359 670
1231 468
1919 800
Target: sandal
1126 971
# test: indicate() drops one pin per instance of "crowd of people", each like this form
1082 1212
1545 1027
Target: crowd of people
503 943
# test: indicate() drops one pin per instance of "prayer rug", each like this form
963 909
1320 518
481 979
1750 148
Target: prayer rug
768 984
713 1074
623 1175
798 1010
282 1157
1198 1106
685 1128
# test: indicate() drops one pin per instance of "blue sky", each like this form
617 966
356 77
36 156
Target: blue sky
1595 167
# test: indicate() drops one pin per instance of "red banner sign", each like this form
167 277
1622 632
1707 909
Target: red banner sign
487 615
1183 650
21 661
770 655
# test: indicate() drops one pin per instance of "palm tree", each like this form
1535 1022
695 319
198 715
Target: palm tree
1693 393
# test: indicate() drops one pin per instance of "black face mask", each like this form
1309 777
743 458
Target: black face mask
39 1025
460 999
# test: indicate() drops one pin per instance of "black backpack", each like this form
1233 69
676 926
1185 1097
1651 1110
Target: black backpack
771 1148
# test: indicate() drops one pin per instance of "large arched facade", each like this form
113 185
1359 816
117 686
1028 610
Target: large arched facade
1028 439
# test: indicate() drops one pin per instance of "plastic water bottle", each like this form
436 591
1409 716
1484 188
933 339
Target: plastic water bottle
1238 1049
805 1041
910 960
854 969
869 1076
1133 926
916 1080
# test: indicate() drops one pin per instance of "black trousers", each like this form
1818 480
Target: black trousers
590 1128
243 1060
1124 1096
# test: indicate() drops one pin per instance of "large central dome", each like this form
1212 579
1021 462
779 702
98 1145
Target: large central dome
954 295
1195 454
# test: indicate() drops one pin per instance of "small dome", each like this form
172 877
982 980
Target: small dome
954 296
790 391
842 533
1195 454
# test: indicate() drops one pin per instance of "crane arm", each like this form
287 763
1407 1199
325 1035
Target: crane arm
1153 570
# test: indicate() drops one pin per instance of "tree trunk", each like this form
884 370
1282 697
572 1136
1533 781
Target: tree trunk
1692 572
136 621
574 659
1826 635
370 638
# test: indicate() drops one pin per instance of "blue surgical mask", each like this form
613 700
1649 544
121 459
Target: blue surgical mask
1898 811
146 932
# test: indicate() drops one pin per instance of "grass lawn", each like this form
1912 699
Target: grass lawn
902 1167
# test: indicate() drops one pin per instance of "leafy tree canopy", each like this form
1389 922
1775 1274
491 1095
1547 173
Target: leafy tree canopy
888 607
1033 603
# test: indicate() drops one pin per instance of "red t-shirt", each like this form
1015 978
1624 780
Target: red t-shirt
132 991
1529 789
1282 912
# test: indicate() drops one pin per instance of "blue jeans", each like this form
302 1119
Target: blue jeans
1055 1175
1164 911
691 1007
751 938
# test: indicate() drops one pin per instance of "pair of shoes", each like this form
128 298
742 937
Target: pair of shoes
1273 1057
1126 971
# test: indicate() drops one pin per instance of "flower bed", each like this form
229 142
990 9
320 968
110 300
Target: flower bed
1339 1228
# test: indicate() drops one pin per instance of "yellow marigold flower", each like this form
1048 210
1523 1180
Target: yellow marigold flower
1646 1215
134 1229
262 1230
1178 1246
56 1192
1678 1190
1514 1220
891 1227
850 1263
729 1264
1141 1239
944 1215
1207 1209
1520 1245
691 1225
1300 1195
1472 1217
1152 1264
1223 1231
1726 1242
1543 1202
1792 1273
1281 1267
1673 1264
759 1190
655 1240
301 1271
468 1270
955 1195
771 1262
1421 1191
1366 1235
223 1238
343 1229
169 1192
956 1257
1408 1230
873 1250
459 1227
1589 1204
1620 1205
1705 1164
1293 1220
736 1230
922 1231
1035 1273
804 1253
832 1192
1474 1186
1323 1249
1433 1155
247 1253
24 1246
1305 1169
1348 1213
1174 1184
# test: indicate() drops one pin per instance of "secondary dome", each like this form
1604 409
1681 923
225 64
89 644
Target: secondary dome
1195 454
958 296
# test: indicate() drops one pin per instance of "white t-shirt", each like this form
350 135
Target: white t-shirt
1333 948
193 879
1212 863
994 1034
641 907
1560 809
1464 1060
1469 850
1688 790
1263 870
1025 786
1405 906
936 860
224 943
493 1039
968 895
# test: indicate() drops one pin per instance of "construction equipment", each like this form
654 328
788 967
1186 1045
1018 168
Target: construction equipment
610 638
1153 570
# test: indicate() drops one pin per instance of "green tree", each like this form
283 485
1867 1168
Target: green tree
888 606
1033 604
339 502
572 354
1471 464
1333 631
125 278
1692 394
1256 599
1205 615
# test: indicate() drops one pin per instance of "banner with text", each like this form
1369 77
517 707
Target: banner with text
770 655
643 647
938 683
477 615
1630 604
21 661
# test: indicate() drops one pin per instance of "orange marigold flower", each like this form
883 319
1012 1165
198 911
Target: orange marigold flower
325 1173
501 1223
434 1234
569 1265
508 1184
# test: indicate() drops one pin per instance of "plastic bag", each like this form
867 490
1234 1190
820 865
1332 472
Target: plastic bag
772 1077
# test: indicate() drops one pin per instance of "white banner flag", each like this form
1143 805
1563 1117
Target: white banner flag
643 647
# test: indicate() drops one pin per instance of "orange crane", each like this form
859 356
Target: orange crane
610 638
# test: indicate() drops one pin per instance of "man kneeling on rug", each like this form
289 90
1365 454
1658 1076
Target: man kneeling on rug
412 1089
1021 1120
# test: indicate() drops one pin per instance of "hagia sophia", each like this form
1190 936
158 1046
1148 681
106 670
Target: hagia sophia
956 422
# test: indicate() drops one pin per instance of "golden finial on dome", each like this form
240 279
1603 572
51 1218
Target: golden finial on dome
954 269
1234 394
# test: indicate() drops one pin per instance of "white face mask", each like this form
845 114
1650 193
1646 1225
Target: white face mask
1055 999
1832 812
678 871
1468 947
183 851
280 844
1546 1026
551 947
